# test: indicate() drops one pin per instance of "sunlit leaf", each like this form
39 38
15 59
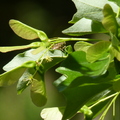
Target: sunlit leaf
87 19
98 50
82 46
65 80
85 26
52 58
26 69
80 64
91 9
75 70
38 50
88 9
12 48
26 31
109 21
21 58
16 67
116 53
116 1
52 113
9 78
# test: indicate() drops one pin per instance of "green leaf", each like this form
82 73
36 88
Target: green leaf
23 67
115 53
85 26
81 95
88 17
38 91
80 64
12 48
115 41
25 80
109 21
26 31
84 89
21 58
98 50
88 9
80 81
115 1
11 76
49 58
52 58
69 49
91 9
79 67
38 50
82 46
54 113
68 76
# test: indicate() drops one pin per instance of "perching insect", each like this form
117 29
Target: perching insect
59 46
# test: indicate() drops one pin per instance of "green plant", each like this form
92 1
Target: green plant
90 80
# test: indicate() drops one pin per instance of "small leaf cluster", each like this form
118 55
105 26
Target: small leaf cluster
90 70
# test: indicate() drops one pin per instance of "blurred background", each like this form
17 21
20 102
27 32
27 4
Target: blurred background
52 17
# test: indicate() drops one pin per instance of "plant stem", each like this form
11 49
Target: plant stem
114 111
60 39
102 100
105 112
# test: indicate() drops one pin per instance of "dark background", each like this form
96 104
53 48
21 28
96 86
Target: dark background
52 17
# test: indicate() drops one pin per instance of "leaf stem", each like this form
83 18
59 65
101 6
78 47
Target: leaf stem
114 110
61 39
102 100
105 112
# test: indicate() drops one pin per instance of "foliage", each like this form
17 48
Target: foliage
90 80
